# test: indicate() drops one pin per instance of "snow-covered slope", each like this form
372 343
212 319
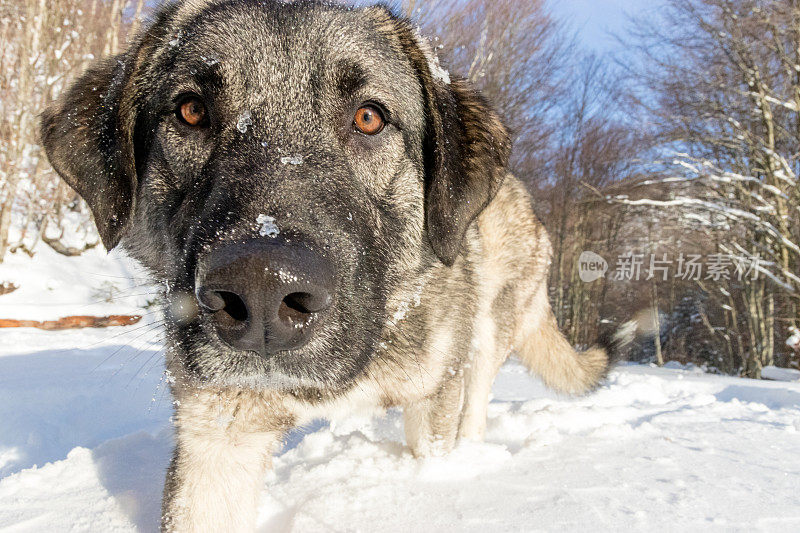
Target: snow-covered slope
52 286
653 449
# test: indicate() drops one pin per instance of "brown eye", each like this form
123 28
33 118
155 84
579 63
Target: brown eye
369 120
192 111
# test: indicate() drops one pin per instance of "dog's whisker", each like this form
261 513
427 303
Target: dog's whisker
154 355
149 327
131 357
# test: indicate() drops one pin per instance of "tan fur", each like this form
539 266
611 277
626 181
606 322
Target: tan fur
512 255
548 354
225 440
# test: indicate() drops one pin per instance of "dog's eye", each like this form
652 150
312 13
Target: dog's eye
369 120
192 111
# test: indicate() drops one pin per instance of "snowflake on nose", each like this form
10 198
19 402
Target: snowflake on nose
268 227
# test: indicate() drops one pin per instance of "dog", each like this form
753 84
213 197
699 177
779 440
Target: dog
334 222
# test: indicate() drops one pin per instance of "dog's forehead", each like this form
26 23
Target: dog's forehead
296 47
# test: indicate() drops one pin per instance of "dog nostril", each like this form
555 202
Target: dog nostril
294 308
233 306
210 299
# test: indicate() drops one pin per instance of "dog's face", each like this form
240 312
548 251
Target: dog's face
284 168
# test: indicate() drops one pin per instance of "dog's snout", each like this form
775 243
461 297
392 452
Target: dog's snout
265 296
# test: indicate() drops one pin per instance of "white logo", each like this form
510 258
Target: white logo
591 267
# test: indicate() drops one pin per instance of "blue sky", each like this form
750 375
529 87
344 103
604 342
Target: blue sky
594 19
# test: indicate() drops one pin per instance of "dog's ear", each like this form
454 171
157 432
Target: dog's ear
466 146
88 137
466 156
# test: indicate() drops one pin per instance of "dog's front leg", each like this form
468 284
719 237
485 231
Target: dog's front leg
223 448
431 423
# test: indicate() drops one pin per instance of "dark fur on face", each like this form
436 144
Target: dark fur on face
281 83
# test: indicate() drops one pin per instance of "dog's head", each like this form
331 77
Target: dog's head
282 168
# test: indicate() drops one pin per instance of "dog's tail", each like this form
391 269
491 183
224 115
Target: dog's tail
547 353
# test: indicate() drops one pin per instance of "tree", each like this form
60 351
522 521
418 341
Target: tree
45 44
721 83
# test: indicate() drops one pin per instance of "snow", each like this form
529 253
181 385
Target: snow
268 227
437 71
296 159
85 439
662 449
407 305
51 287
780 374
793 341
243 121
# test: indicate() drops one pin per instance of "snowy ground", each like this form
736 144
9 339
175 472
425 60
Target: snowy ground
52 286
85 439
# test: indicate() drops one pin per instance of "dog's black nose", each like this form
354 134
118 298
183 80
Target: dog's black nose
265 295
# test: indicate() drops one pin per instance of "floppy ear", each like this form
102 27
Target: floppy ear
466 156
466 147
89 142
